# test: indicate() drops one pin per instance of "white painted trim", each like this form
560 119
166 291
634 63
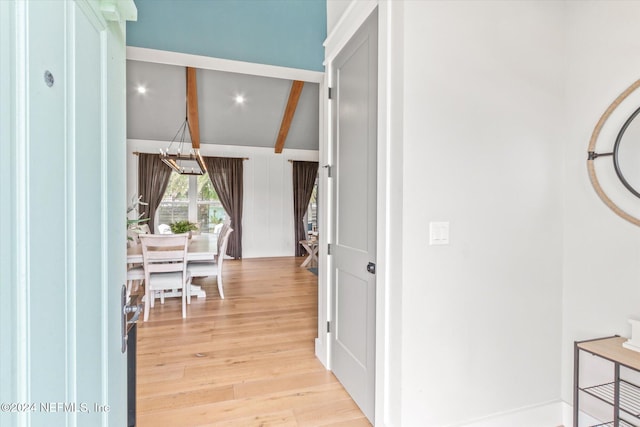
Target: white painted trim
544 415
105 287
320 351
23 327
119 10
218 64
585 419
9 290
70 176
322 342
352 19
94 16
386 218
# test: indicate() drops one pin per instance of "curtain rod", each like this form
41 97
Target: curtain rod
135 153
310 161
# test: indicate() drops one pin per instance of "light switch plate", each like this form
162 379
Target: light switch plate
439 233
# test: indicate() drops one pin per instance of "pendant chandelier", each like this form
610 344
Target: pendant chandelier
190 163
183 163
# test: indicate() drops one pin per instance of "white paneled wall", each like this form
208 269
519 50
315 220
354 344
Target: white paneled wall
268 193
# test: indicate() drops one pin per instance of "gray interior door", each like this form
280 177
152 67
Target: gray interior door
353 251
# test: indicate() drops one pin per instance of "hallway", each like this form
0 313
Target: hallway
247 360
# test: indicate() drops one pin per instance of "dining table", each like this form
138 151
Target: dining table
311 246
200 248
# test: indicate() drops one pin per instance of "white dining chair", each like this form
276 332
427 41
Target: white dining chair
214 266
165 267
135 277
135 272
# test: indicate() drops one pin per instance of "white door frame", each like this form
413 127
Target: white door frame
389 210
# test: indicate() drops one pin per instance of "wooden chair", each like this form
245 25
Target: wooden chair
213 267
165 267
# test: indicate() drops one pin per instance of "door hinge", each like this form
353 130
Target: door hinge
328 248
328 326
330 93
329 171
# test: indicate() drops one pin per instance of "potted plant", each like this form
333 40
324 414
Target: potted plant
184 226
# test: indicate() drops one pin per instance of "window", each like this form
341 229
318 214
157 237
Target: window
175 202
312 210
210 210
191 198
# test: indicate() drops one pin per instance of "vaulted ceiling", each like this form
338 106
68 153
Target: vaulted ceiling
158 113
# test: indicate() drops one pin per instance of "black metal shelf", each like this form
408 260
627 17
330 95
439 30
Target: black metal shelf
620 393
629 396
622 423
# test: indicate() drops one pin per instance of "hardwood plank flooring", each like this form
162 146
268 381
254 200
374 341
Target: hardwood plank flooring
247 360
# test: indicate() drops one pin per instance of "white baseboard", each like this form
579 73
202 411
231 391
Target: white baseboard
552 414
321 353
545 415
585 419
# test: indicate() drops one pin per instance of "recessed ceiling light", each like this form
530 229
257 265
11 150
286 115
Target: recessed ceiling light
239 99
141 89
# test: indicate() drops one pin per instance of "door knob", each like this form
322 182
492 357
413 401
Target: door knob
371 268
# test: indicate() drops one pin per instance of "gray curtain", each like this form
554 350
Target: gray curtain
304 178
226 175
153 177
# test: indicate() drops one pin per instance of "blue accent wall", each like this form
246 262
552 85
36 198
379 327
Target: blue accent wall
287 33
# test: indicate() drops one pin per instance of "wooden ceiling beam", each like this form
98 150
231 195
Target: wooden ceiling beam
192 107
289 112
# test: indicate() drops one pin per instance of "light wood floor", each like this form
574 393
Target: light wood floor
247 360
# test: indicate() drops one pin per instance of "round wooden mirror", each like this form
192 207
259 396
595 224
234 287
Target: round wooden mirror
625 152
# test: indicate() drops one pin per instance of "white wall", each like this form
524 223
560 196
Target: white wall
498 103
601 251
483 131
268 193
